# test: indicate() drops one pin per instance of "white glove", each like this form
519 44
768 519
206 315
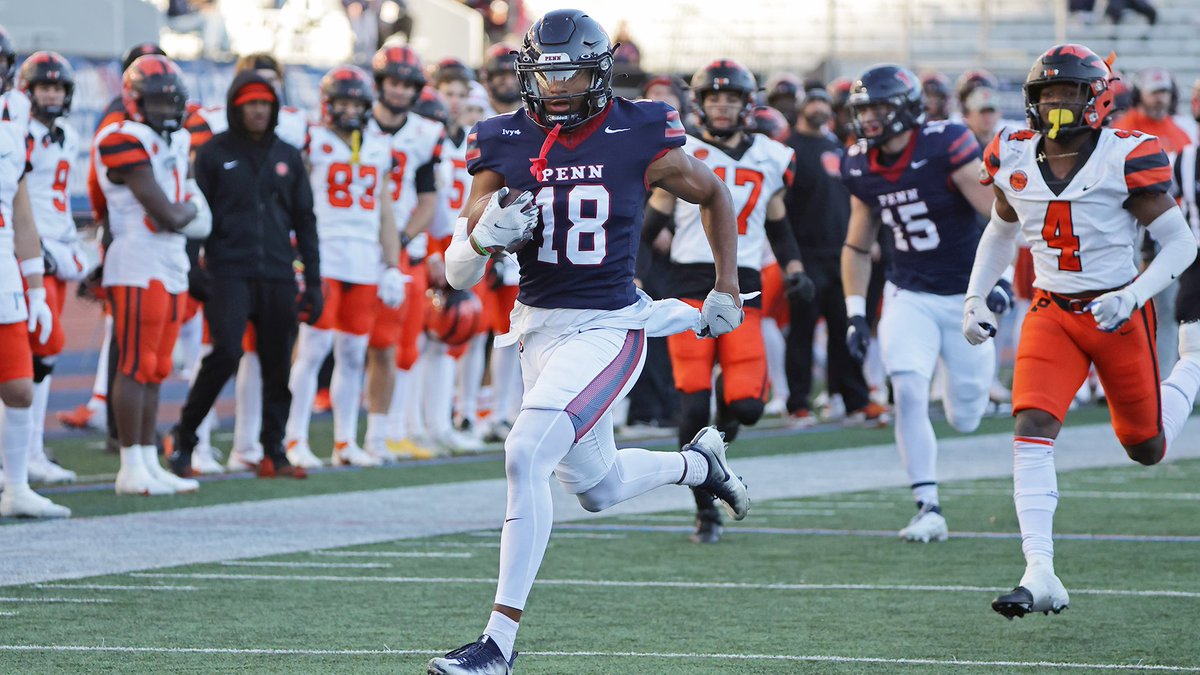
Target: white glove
1113 309
720 314
979 322
391 288
201 225
505 228
40 317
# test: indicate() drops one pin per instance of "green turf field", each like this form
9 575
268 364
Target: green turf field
806 585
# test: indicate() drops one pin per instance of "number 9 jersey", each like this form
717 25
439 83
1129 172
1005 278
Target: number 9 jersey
1081 236
935 228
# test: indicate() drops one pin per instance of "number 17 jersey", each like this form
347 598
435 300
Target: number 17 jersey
936 230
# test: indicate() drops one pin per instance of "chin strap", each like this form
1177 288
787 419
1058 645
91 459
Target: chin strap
538 164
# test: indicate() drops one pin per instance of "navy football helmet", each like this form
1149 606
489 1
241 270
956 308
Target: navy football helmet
890 85
563 45
725 75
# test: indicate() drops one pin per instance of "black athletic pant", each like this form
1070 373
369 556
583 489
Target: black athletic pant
844 374
270 305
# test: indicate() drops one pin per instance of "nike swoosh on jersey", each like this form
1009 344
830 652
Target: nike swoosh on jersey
610 130
919 163
230 165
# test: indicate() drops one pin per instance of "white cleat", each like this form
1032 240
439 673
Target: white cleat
134 478
349 454
245 459
22 502
299 454
928 525
378 448
461 442
721 481
776 407
157 472
42 470
206 460
1039 591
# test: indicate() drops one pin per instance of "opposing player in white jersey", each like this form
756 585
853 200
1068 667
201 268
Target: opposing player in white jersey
1078 192
142 166
359 245
756 170
416 146
49 82
23 309
292 128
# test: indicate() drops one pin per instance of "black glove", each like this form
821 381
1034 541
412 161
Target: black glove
198 281
858 338
1001 299
799 287
310 304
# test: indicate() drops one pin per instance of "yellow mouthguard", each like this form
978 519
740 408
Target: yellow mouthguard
1059 117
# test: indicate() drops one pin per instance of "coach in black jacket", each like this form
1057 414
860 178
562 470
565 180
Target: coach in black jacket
259 193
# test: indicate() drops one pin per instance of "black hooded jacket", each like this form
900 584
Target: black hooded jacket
259 194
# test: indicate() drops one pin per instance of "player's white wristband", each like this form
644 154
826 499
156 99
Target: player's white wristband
32 266
856 305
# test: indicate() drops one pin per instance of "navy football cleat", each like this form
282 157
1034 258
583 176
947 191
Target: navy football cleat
721 481
482 657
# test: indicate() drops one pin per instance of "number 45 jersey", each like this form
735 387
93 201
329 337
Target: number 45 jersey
1081 236
591 187
936 230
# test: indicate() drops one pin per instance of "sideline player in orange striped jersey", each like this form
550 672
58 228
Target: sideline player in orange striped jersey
153 206
359 246
416 144
23 310
757 171
1078 192
49 82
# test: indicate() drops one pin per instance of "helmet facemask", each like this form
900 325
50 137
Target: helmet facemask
1063 119
741 123
893 123
164 112
552 80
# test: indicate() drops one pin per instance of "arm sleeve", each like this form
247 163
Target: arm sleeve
963 149
464 265
304 221
783 241
1147 169
997 248
426 181
1177 253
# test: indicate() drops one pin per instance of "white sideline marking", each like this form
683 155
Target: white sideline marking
846 504
587 535
465 544
1082 494
803 658
609 583
9 613
78 601
109 587
302 565
768 511
393 554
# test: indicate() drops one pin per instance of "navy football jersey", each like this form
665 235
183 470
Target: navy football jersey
935 228
591 188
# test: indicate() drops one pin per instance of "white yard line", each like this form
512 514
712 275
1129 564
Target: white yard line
392 554
73 601
797 658
1081 494
305 565
110 587
67 549
588 535
614 583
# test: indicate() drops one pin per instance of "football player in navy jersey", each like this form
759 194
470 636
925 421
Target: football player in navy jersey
581 162
921 180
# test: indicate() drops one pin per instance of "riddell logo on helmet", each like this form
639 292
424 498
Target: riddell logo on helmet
1018 180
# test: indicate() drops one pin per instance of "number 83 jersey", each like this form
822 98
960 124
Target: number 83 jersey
935 228
1081 236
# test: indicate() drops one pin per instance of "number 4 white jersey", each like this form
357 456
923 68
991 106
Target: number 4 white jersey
346 189
753 172
1082 238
